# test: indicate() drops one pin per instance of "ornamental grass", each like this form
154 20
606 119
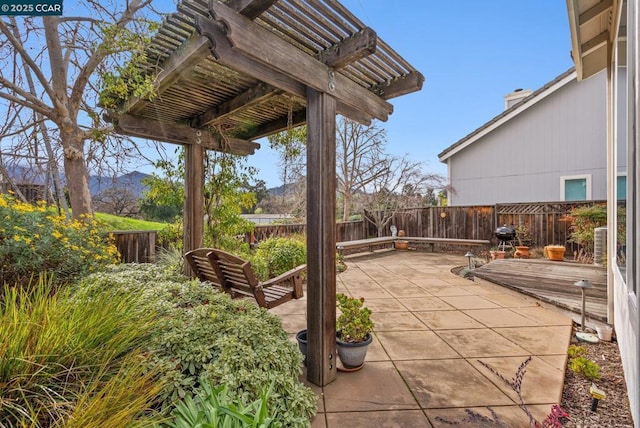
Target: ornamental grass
75 361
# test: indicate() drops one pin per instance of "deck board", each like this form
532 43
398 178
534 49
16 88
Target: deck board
552 282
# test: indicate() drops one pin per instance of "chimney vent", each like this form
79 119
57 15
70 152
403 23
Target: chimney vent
515 97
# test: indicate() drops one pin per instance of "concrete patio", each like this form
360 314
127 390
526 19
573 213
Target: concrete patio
431 330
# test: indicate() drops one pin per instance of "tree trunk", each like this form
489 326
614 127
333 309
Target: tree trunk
76 174
346 206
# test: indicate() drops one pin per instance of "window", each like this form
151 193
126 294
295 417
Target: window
575 188
621 187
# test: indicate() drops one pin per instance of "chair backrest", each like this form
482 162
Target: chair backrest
201 265
236 275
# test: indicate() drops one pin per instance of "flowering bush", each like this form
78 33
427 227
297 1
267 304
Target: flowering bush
34 239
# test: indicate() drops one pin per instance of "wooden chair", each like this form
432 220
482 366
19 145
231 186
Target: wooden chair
236 277
201 266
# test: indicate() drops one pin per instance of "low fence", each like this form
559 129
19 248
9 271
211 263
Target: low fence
136 246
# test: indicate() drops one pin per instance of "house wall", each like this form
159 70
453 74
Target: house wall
626 278
523 160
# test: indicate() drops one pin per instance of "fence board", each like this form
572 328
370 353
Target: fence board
136 246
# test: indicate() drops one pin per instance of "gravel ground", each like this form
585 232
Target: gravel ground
614 410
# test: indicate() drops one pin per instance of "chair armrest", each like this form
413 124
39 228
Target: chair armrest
291 278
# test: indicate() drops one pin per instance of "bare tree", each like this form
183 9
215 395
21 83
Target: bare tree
119 201
401 184
54 67
360 159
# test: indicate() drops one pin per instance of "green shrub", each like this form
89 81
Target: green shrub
74 360
34 238
213 407
276 255
576 351
585 367
204 336
584 222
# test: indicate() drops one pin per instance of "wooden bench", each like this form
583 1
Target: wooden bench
452 241
371 243
235 276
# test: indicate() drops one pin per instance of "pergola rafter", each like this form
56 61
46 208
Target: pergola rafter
251 68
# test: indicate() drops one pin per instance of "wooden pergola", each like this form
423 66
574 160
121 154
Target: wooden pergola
230 73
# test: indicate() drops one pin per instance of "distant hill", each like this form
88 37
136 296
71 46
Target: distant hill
97 184
131 181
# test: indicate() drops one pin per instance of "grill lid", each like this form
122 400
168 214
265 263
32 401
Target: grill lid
505 233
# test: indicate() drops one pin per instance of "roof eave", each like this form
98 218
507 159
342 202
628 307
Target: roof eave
508 114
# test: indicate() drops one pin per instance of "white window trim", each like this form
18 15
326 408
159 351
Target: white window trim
586 177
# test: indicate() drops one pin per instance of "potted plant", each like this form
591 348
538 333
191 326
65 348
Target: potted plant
524 239
353 331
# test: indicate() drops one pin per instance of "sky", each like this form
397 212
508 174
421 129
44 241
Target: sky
472 53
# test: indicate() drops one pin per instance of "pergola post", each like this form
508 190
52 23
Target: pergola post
193 198
321 237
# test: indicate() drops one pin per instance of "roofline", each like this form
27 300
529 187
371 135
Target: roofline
508 114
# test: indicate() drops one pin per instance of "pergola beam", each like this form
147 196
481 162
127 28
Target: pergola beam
250 8
351 49
182 134
250 97
193 52
401 86
297 118
263 46
221 49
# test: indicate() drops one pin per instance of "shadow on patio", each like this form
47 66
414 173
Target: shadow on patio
431 330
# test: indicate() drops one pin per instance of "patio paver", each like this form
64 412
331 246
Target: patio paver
431 330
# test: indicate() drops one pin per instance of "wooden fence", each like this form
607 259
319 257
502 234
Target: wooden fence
136 246
546 221
547 224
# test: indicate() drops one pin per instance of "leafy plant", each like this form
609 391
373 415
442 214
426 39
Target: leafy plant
576 351
354 322
584 221
213 407
523 236
277 255
205 336
586 367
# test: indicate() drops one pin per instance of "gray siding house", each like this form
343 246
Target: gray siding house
548 145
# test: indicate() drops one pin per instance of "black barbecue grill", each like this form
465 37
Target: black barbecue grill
505 235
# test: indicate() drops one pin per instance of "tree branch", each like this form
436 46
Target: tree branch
100 53
19 47
28 100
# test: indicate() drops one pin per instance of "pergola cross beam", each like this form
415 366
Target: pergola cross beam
263 46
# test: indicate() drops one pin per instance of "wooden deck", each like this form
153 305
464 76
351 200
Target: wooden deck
552 282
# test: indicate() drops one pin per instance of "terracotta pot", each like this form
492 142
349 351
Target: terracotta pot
401 245
554 252
499 255
522 252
